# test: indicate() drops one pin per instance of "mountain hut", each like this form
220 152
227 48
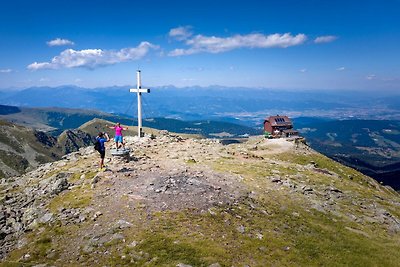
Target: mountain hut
279 126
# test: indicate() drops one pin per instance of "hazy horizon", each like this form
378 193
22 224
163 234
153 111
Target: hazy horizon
387 92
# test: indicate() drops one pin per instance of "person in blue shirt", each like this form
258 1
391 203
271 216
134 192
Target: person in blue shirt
102 138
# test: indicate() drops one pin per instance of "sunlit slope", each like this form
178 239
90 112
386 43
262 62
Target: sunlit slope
196 202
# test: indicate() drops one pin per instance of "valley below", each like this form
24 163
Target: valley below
370 146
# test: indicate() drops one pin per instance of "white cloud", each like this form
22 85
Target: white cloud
181 33
325 39
188 79
341 69
303 70
37 66
371 77
212 44
59 42
93 58
179 52
5 70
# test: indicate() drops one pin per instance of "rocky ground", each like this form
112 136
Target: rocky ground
194 202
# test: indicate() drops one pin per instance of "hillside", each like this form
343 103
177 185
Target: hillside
23 149
371 146
194 202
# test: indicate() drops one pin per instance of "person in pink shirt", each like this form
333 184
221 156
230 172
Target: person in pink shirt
119 141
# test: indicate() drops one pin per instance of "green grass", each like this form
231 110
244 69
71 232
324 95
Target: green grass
311 239
14 161
77 176
41 159
278 230
190 161
38 251
6 139
43 245
76 198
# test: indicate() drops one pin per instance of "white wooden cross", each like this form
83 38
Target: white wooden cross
139 90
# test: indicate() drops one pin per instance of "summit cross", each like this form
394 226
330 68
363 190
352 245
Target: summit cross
139 90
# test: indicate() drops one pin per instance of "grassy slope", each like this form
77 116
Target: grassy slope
272 226
16 139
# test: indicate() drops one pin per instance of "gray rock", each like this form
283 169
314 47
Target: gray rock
82 218
241 229
183 265
17 226
215 265
33 225
96 215
334 190
46 218
307 189
122 224
21 242
29 215
276 180
61 164
59 185
87 249
259 236
133 244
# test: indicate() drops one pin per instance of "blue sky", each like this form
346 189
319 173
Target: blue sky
289 44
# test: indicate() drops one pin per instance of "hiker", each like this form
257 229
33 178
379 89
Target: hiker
102 138
118 134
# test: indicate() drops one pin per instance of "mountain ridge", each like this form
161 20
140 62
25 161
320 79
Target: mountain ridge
193 202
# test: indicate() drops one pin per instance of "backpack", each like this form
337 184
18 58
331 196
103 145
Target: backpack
97 145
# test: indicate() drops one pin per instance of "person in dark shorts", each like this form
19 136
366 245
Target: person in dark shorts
102 138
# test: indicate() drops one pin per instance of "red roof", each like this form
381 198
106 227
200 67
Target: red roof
279 120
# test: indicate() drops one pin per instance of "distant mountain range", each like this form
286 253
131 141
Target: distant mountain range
232 104
56 120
